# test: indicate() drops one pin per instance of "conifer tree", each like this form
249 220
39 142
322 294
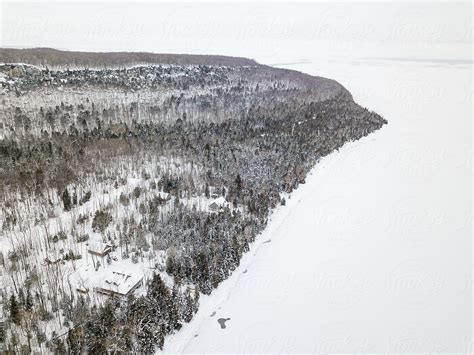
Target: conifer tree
29 301
66 200
15 314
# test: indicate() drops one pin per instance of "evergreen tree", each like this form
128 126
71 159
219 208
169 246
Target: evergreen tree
15 314
74 197
21 297
196 299
29 301
238 182
75 340
66 200
175 305
170 265
188 306
157 289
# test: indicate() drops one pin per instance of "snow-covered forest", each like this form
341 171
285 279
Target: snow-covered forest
132 183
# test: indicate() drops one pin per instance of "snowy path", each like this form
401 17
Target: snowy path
373 253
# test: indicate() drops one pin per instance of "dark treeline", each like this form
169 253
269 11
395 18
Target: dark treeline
53 57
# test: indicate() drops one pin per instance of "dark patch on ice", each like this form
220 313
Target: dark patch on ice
267 241
213 314
196 335
222 321
245 271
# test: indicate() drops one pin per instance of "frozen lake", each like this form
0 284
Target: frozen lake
373 253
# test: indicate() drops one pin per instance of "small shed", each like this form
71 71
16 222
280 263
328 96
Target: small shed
99 249
214 207
52 260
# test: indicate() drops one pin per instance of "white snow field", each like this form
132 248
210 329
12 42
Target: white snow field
373 253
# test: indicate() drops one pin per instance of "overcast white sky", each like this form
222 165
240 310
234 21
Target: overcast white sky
256 30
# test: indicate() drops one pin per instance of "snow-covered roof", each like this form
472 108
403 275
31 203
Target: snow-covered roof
52 257
218 203
214 205
120 281
98 247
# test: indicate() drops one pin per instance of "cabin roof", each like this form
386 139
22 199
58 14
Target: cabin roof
120 281
98 247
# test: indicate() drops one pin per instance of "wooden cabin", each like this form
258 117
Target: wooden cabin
214 207
52 260
99 249
119 283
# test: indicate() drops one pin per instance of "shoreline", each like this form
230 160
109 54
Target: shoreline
210 304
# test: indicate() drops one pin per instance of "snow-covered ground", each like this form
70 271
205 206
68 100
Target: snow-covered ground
373 253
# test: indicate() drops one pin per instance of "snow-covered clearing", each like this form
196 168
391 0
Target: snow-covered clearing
373 253
59 242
